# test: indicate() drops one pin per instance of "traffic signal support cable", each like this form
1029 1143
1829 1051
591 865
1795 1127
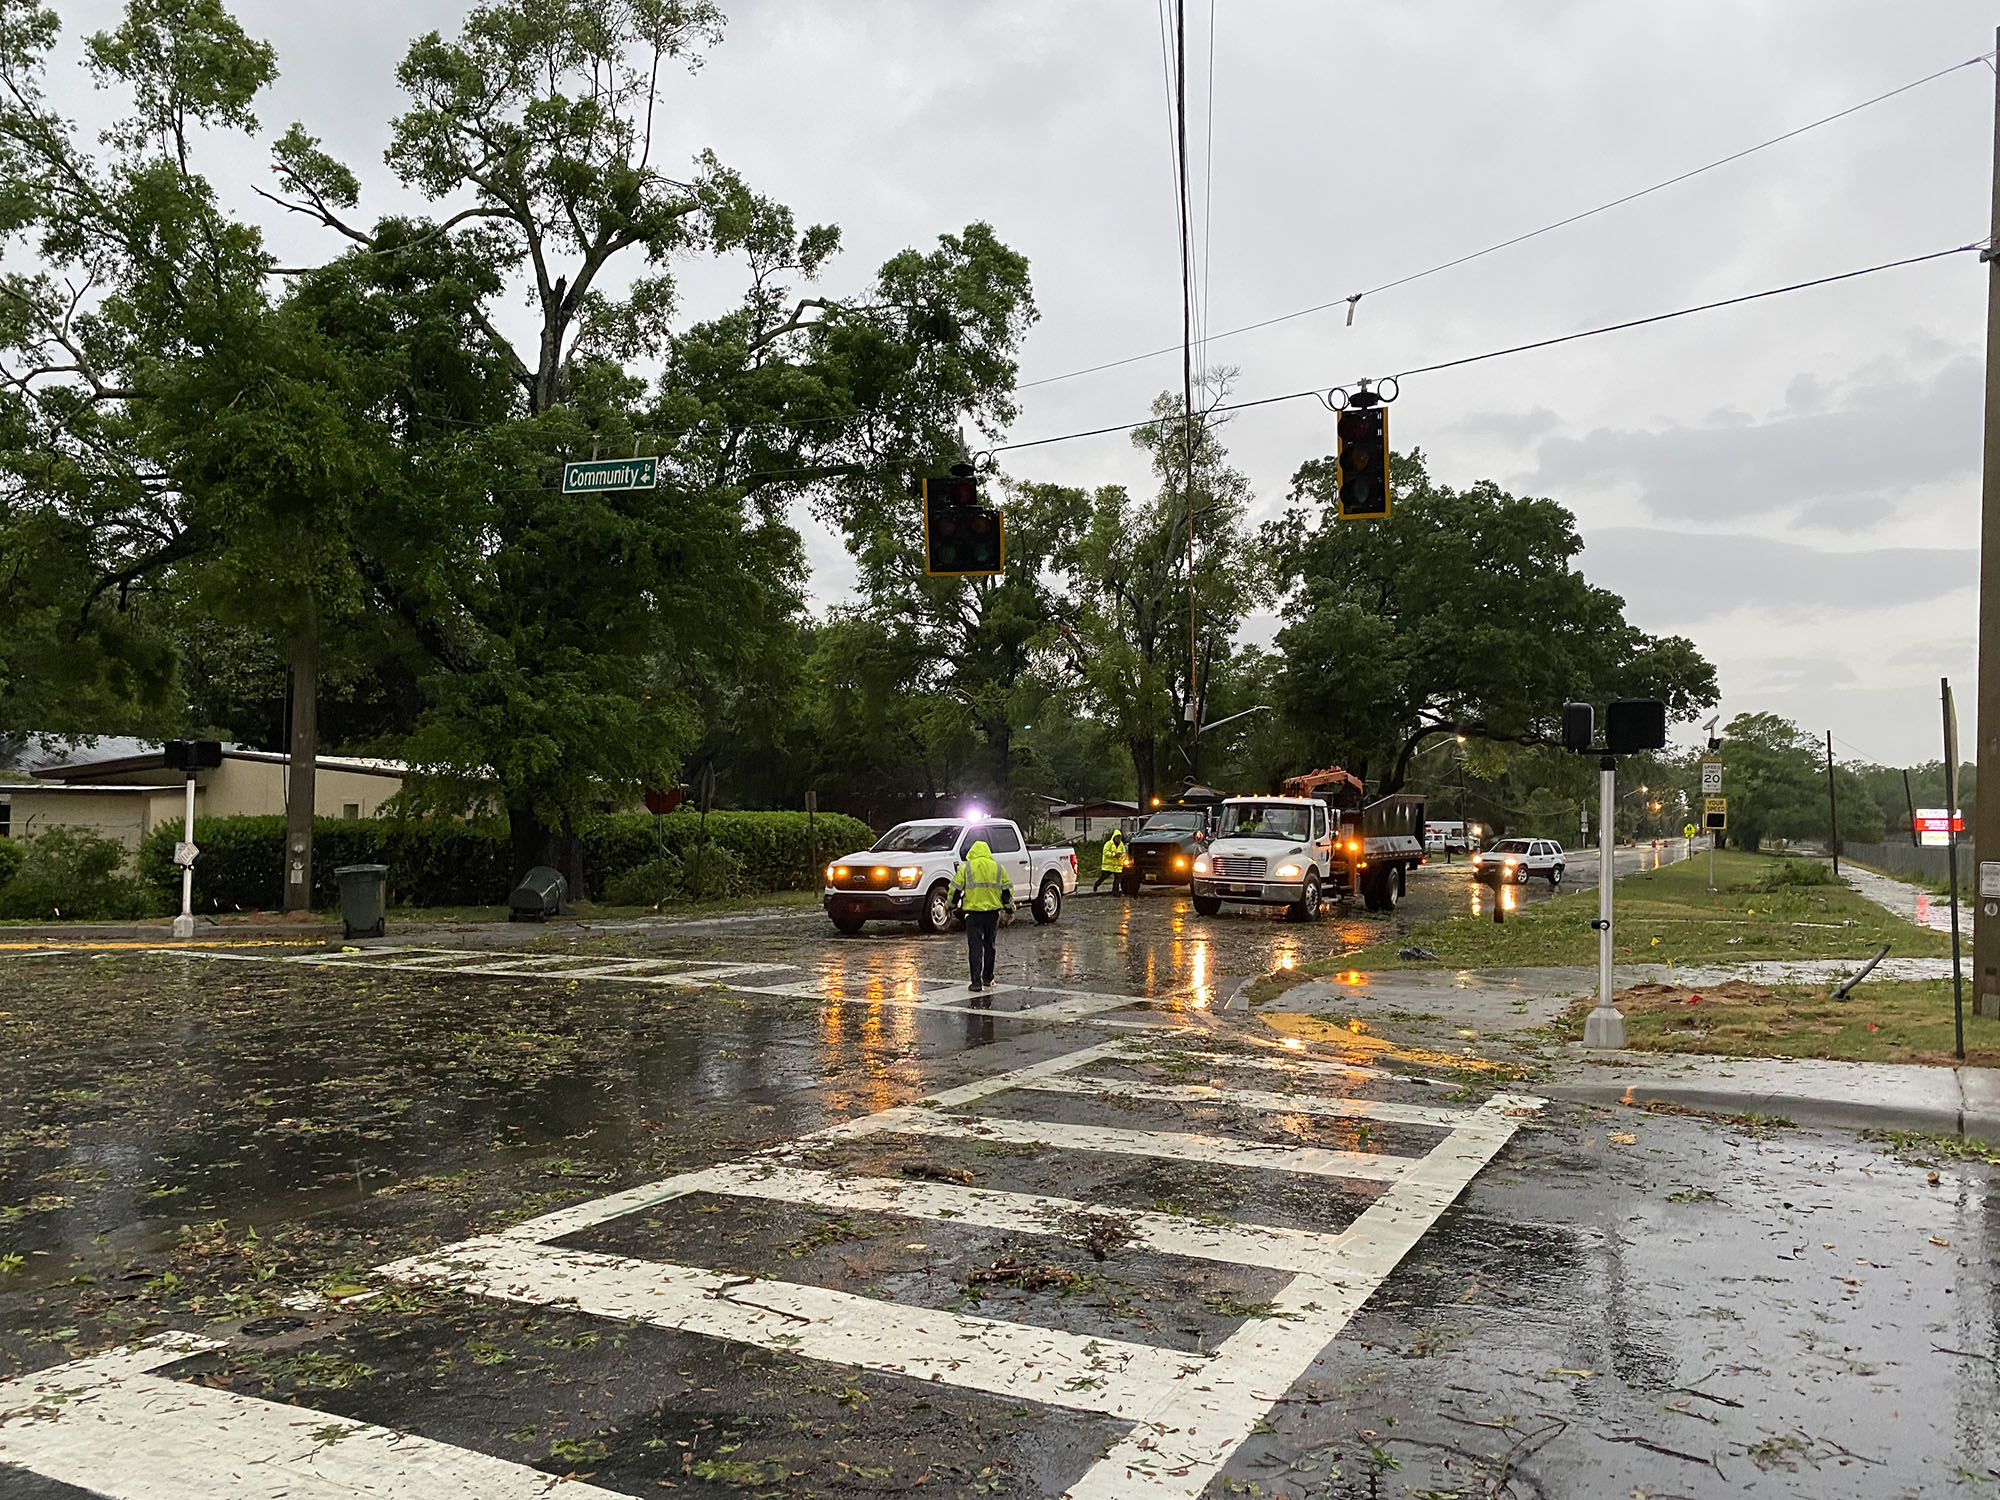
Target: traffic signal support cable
1318 393
1353 300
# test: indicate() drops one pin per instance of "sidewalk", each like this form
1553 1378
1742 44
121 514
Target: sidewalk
1910 902
1848 1096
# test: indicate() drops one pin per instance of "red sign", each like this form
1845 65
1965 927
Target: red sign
1937 822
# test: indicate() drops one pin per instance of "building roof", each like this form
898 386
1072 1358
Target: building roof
156 760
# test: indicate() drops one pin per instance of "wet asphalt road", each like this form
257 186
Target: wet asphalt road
1621 1304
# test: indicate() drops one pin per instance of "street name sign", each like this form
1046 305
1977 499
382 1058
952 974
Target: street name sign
1711 778
600 475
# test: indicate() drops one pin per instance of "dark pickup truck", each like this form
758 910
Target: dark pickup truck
1163 852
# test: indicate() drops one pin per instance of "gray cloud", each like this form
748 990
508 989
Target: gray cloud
1685 577
1882 439
1516 427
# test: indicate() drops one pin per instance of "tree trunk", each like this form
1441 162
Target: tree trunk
1142 770
300 773
570 848
531 839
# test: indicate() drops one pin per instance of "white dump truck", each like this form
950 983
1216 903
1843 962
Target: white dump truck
1320 840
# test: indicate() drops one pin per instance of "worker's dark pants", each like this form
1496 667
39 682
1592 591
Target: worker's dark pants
980 928
1104 875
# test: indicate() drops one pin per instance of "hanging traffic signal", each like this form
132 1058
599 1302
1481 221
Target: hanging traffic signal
1363 493
962 538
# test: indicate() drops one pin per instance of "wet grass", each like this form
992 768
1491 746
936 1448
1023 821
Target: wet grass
1898 1021
1664 916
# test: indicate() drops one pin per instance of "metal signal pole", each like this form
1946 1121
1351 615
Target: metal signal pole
1986 818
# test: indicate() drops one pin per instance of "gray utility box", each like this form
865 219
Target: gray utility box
364 900
539 896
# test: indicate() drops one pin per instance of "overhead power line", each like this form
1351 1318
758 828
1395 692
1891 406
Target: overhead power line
1355 298
1565 338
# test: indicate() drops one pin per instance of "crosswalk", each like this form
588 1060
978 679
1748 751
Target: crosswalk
774 980
114 1424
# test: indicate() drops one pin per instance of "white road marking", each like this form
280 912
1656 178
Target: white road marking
1257 1099
1273 1248
985 1354
108 1425
1210 1150
1188 1436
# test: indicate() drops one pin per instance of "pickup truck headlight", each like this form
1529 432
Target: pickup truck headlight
1201 864
1290 870
835 874
909 875
1479 859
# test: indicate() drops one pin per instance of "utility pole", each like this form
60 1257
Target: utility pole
300 770
1986 820
1832 807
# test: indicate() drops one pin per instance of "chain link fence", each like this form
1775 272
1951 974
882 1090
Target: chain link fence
1910 859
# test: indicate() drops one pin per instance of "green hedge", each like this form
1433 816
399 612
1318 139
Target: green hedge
450 863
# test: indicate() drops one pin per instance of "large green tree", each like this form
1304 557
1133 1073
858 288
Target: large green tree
1146 638
1461 613
576 642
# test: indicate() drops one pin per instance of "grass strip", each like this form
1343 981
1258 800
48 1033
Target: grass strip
1665 916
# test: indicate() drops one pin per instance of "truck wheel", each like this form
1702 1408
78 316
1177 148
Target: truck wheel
1391 887
1048 902
1306 908
1130 882
850 925
1208 906
935 915
1371 891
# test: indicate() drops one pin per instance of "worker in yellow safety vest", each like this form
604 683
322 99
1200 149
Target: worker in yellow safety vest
1110 863
982 889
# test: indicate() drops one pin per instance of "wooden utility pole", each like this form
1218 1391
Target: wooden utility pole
1832 807
1986 817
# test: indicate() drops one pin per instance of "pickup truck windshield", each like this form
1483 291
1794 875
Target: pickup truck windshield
1241 820
917 838
1180 822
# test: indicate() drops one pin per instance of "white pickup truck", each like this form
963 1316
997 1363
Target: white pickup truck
906 874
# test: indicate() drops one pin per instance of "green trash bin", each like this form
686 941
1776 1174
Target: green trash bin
364 900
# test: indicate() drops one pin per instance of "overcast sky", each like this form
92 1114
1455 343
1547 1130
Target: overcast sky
1793 484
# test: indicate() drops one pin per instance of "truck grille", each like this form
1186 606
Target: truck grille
1240 866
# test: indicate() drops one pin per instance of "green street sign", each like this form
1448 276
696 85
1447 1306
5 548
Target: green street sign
599 475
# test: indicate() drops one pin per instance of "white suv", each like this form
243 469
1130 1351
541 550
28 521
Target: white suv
1516 859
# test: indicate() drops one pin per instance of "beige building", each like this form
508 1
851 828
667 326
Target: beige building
126 797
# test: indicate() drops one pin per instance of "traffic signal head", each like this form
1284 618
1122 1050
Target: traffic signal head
1363 492
1579 727
962 538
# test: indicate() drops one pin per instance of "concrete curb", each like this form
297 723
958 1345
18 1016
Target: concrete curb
1843 1096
